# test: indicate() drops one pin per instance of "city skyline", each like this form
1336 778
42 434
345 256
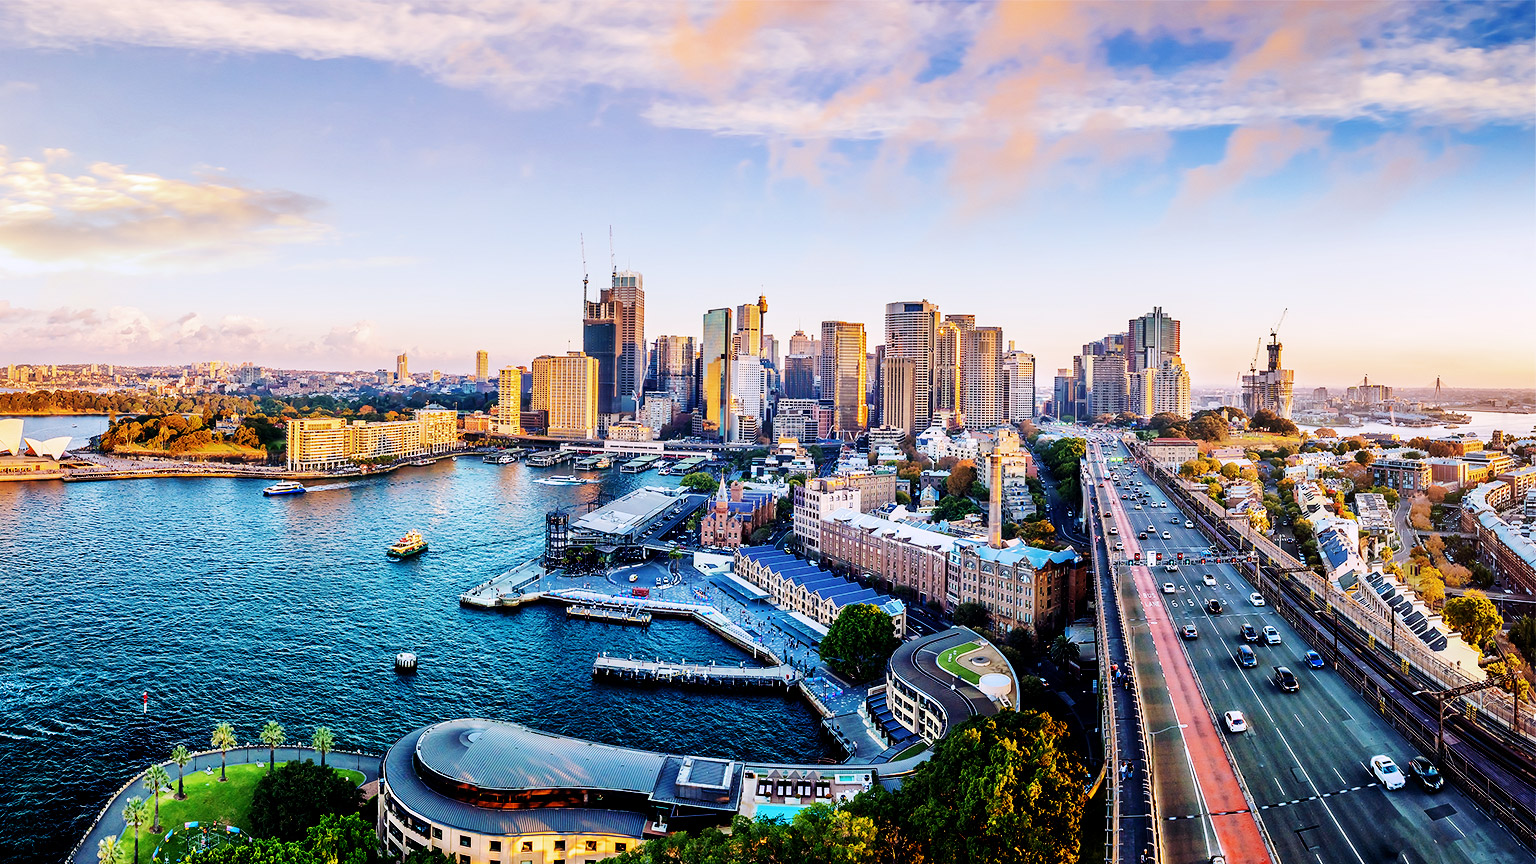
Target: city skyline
315 185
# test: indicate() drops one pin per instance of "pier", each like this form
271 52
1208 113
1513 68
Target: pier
639 464
505 590
695 674
551 457
630 615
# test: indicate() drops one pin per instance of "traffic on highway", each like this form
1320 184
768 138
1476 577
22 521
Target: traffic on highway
1327 777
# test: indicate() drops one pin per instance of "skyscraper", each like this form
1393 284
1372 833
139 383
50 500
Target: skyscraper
983 389
803 345
749 327
402 369
947 362
800 376
1271 388
1171 388
1019 373
482 366
715 359
1107 384
566 387
673 358
910 330
613 332
1149 340
843 375
898 395
509 401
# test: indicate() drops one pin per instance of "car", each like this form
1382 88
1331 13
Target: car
1235 721
1256 599
1426 773
1248 633
1138 506
1188 524
1314 659
1171 567
1114 530
1169 589
1142 536
1119 546
1173 521
1285 679
1151 530
1123 496
1213 606
1387 773
1246 658
1209 579
1167 536
1189 632
1271 636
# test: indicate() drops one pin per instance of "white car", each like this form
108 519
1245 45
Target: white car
1256 599
1167 536
1138 506
1169 589
1188 524
1387 772
1171 567
1271 636
1209 580
1235 721
1114 530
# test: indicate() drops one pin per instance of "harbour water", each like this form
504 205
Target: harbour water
224 605
1480 423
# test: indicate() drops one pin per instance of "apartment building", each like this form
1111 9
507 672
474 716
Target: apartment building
329 443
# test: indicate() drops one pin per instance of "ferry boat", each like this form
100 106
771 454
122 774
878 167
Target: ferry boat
561 480
500 458
409 546
285 487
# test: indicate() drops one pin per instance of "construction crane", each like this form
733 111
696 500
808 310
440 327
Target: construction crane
1275 330
583 269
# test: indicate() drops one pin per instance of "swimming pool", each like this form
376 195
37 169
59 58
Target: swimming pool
781 812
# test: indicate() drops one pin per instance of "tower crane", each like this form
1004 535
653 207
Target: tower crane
1274 331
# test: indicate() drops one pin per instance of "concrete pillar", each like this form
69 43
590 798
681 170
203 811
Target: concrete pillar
995 501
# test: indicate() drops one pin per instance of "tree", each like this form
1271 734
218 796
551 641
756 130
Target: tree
110 851
1475 616
972 614
155 779
997 790
135 814
1230 470
760 536
296 796
1522 634
343 838
1064 651
323 739
272 735
1430 584
223 738
859 642
432 856
960 478
1040 533
1365 457
699 481
181 756
1208 428
1326 432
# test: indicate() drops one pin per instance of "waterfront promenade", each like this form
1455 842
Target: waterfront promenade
109 821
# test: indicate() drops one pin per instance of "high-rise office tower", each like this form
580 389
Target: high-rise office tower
673 358
1149 340
1019 374
947 362
613 332
1061 394
715 359
402 369
983 389
843 375
910 330
800 376
749 327
1171 388
898 395
803 345
566 386
482 366
1107 384
749 390
509 401
876 386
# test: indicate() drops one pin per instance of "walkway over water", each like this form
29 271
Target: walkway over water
695 673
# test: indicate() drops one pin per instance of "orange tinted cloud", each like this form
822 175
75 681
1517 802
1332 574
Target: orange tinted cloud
1252 151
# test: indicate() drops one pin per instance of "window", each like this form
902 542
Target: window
463 859
621 847
559 845
495 846
591 845
527 845
464 840
437 833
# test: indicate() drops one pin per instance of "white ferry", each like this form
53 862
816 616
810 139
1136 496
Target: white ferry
561 480
285 487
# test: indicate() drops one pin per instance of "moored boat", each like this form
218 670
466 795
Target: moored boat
409 546
285 487
561 480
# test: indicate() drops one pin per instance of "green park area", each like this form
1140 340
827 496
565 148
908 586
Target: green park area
949 661
208 801
212 448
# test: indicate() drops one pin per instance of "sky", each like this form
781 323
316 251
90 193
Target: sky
327 183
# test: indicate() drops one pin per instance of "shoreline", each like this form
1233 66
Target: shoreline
151 470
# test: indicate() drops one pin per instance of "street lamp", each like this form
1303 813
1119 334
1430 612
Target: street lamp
1167 728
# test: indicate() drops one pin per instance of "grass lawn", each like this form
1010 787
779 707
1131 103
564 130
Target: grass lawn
949 661
207 800
912 751
1253 441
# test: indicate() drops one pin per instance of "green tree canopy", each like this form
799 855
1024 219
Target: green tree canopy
859 642
296 796
699 481
335 840
1474 616
972 614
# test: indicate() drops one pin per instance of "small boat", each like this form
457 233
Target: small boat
285 487
422 463
409 546
561 480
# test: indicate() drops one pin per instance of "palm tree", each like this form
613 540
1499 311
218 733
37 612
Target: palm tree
155 779
109 851
1064 651
223 738
322 741
135 814
272 735
181 756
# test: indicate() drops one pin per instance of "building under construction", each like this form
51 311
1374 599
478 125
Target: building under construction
1271 388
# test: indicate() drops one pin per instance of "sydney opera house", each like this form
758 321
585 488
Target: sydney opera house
28 456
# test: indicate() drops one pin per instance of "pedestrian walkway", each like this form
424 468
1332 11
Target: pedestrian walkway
109 822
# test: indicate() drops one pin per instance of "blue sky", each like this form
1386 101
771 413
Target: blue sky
235 181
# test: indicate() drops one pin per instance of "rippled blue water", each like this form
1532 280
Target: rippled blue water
222 604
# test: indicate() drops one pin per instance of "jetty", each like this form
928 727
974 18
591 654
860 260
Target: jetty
695 674
547 458
636 617
506 590
639 464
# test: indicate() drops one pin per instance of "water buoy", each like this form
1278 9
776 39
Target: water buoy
405 661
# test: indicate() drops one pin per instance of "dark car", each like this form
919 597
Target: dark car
1424 771
1213 606
1285 679
1246 658
1249 633
1314 659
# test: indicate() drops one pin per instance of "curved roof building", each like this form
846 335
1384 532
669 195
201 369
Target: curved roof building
52 448
10 437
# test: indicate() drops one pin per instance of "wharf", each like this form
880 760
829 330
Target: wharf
506 590
633 616
639 464
551 457
696 674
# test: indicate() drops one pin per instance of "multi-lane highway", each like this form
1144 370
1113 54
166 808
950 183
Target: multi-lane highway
1304 759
